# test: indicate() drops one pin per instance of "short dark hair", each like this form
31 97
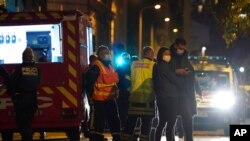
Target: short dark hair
146 50
101 48
92 58
181 41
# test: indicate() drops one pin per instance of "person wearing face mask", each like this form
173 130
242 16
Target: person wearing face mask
185 71
141 99
166 85
102 84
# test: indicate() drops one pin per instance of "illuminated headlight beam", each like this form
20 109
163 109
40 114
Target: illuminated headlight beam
223 100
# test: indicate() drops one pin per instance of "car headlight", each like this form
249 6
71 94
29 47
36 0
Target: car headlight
223 100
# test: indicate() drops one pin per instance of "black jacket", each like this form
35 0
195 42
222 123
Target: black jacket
188 86
26 77
7 81
25 81
124 74
165 81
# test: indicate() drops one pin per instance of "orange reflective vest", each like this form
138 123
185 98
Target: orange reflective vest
105 83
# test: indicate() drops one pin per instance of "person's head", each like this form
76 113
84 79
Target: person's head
125 56
148 52
92 58
180 46
164 54
28 55
103 53
134 58
43 57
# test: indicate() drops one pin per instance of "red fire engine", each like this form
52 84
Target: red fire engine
62 42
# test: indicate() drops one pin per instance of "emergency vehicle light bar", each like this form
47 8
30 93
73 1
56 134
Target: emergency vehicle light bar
209 59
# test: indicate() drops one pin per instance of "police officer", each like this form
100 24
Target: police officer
102 83
141 100
25 80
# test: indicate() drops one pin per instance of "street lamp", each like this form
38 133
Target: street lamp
157 6
167 19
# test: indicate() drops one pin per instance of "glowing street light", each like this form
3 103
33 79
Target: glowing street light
167 19
157 6
175 30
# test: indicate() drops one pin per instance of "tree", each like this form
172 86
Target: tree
233 16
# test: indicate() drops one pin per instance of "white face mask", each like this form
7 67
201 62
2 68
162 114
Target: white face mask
166 58
107 57
180 51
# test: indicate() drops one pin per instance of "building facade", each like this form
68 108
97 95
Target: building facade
108 17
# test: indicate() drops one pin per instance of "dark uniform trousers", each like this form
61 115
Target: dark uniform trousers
24 115
187 118
123 105
130 127
105 111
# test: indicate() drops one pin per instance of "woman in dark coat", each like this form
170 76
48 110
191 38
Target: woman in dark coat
166 85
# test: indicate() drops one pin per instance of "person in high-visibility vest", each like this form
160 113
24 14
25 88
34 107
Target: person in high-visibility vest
102 85
141 100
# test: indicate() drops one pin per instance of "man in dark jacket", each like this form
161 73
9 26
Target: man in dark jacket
5 76
25 81
86 124
6 135
124 84
185 71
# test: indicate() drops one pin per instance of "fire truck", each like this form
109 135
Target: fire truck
62 42
218 81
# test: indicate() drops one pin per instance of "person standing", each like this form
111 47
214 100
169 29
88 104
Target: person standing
25 80
166 85
6 135
102 83
141 100
187 100
178 125
86 124
124 85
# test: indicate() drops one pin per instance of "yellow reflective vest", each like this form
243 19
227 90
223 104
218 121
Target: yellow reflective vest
142 86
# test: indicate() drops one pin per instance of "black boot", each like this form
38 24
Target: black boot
116 137
97 137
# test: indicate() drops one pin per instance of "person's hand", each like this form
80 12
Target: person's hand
113 97
114 93
182 71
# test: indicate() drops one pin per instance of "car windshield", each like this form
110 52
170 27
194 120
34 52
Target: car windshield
212 80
